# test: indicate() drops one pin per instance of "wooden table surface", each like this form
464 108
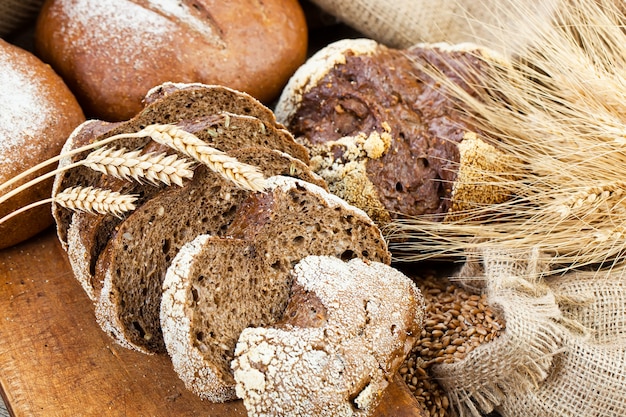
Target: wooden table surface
56 361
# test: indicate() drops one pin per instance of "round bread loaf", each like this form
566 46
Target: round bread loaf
37 114
384 134
112 52
346 331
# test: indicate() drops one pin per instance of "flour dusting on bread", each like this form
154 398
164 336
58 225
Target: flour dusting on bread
342 367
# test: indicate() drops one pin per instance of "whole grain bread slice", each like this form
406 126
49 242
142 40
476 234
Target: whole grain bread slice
88 234
194 106
217 286
131 268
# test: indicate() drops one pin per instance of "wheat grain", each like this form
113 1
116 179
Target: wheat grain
87 199
243 175
151 167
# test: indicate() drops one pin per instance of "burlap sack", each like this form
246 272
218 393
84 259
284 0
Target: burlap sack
15 13
563 352
402 23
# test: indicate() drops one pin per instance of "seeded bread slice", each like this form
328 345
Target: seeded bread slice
218 286
345 333
191 104
88 234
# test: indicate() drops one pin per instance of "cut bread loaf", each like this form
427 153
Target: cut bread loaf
204 109
385 135
89 234
217 286
345 333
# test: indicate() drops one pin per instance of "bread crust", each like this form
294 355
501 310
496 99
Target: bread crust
37 114
112 52
338 364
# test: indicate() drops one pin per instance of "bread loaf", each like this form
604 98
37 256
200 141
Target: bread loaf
218 286
345 333
112 52
383 134
37 114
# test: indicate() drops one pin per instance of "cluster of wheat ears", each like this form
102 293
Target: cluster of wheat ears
134 165
555 102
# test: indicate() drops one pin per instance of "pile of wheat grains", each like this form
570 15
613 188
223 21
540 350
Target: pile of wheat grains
455 323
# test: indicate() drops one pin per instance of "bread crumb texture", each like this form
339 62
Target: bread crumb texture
198 374
343 367
347 176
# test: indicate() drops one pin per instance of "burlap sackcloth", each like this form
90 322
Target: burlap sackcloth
563 352
403 23
15 13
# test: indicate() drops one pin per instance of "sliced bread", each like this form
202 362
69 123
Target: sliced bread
88 234
192 105
218 286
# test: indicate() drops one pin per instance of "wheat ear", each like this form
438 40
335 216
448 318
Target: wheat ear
86 199
151 167
243 175
124 165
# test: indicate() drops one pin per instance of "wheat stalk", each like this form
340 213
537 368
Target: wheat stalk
151 167
243 175
123 165
85 199
559 107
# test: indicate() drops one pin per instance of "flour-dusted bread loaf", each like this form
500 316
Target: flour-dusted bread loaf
345 333
88 234
383 133
195 107
112 52
37 114
217 286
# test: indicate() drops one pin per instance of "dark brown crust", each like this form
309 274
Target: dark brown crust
416 174
256 54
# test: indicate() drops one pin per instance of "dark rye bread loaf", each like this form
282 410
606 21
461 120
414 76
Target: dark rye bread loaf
383 133
345 333
88 234
216 286
189 103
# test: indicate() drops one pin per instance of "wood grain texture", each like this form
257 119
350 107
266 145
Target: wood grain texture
56 361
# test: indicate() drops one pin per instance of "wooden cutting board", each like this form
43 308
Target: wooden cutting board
55 360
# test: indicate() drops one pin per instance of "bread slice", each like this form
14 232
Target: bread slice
193 106
345 333
217 286
131 268
88 234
